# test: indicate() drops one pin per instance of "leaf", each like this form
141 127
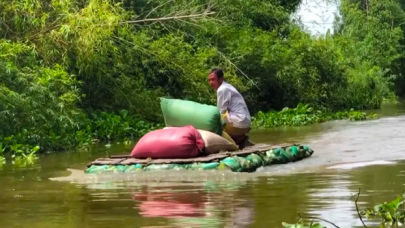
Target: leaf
35 149
378 207
394 204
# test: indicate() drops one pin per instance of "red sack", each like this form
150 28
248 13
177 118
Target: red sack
170 204
167 209
175 142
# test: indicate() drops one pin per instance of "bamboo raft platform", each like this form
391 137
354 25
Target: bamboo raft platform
246 160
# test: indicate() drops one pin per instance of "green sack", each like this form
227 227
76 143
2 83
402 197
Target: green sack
282 155
292 153
256 160
134 167
308 151
210 166
245 164
96 169
232 163
179 113
156 167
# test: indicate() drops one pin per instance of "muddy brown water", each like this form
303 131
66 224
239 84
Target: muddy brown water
369 155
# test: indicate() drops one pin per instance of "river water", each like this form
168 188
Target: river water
369 155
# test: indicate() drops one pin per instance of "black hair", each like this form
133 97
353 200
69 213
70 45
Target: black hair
218 72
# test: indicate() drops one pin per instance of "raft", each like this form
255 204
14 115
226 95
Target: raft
246 160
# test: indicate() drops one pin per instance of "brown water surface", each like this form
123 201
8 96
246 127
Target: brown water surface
319 186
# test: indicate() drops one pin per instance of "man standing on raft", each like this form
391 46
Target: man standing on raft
232 107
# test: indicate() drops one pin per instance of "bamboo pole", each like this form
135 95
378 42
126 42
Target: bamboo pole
167 18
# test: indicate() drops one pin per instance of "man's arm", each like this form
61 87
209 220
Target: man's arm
223 100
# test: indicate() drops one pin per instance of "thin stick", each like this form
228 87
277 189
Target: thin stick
168 18
333 224
230 62
357 208
157 8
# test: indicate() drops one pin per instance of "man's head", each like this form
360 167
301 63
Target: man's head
215 78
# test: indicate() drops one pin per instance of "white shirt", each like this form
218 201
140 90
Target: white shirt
229 99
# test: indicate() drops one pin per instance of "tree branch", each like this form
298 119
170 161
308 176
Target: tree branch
357 208
333 224
168 18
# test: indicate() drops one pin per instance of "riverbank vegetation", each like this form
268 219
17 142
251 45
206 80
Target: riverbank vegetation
304 115
68 67
390 214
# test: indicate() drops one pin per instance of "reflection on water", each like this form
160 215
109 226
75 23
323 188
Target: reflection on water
361 164
335 199
260 201
318 186
194 206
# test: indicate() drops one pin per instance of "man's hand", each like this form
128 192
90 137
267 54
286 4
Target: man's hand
224 119
223 123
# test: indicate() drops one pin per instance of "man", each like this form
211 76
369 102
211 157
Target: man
233 108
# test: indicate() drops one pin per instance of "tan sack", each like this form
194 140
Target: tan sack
227 137
214 143
224 134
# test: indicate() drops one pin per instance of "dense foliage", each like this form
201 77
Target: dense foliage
304 115
68 67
